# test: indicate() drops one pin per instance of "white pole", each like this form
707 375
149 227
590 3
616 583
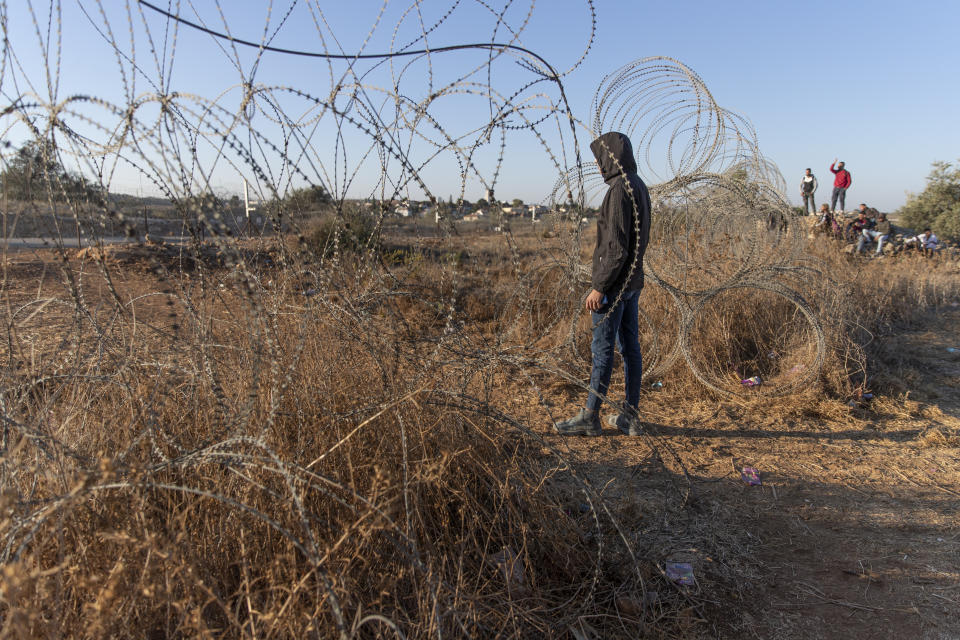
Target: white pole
246 199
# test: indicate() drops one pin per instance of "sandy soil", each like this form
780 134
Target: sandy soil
855 530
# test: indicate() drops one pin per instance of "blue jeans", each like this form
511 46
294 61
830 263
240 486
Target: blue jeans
622 328
838 193
808 204
867 236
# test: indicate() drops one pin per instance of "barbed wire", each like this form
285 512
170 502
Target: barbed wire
243 306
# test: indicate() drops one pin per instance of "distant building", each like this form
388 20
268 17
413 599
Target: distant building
407 209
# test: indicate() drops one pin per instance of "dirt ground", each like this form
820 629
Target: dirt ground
853 533
855 529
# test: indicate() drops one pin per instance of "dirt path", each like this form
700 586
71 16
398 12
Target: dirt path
14 245
863 538
855 532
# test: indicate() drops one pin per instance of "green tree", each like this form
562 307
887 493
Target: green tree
517 202
35 173
307 199
938 205
350 230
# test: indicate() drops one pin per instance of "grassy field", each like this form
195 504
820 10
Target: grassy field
268 439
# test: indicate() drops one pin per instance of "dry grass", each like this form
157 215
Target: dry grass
212 453
207 462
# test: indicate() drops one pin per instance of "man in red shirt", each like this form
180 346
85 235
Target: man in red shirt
840 185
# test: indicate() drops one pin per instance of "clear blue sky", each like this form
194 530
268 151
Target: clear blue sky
874 83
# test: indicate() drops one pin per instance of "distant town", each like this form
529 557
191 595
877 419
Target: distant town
471 211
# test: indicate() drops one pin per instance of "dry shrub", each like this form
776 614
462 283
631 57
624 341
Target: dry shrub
288 467
859 307
217 453
938 437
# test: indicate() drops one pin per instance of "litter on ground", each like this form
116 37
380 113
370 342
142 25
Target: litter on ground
681 573
750 475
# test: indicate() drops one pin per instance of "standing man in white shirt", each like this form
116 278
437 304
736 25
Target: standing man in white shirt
808 187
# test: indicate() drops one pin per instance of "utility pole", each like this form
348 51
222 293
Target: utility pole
246 204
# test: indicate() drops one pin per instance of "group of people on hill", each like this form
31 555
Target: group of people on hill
869 225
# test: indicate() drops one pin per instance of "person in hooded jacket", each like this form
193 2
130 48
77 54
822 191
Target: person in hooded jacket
623 231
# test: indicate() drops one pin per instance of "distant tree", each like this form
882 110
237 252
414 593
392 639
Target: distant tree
517 202
201 212
235 204
938 205
307 198
482 204
200 205
739 184
34 172
350 230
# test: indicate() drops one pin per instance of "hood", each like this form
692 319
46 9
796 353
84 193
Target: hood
614 155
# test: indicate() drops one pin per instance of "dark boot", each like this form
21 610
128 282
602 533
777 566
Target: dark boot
585 423
626 421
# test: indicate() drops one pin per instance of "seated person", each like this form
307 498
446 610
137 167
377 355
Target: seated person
926 242
826 222
880 232
856 226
